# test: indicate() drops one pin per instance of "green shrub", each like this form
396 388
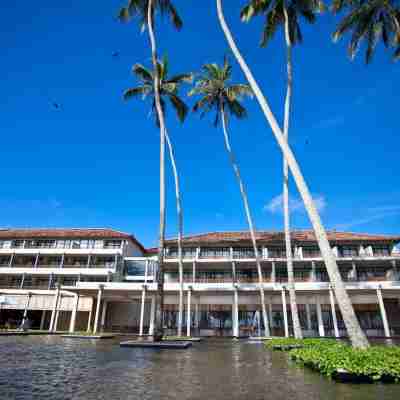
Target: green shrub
376 362
288 342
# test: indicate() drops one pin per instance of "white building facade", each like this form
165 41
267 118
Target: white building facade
108 285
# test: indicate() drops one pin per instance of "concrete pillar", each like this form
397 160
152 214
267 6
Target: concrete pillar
321 329
273 272
73 314
97 315
313 273
271 320
235 313
11 260
234 278
335 325
142 305
62 261
36 260
353 273
42 320
89 324
24 318
308 316
285 316
194 272
152 315
57 313
103 316
188 316
383 312
53 312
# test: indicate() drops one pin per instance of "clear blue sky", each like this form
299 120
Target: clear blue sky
94 162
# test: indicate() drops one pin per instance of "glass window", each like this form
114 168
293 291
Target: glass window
348 251
381 250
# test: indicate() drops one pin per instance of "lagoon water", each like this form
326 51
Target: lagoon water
50 367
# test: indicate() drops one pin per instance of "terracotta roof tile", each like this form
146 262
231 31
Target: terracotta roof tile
278 236
67 233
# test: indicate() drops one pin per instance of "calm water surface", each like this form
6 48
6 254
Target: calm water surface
50 367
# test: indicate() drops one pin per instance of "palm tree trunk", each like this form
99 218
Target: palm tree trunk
356 335
291 286
158 323
249 219
180 229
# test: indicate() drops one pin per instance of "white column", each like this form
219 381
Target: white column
271 320
97 315
152 314
194 273
197 314
335 325
142 310
313 272
36 260
146 270
62 261
53 312
383 312
321 329
103 316
285 316
11 260
42 320
308 316
188 316
235 313
73 314
89 327
57 313
273 272
28 299
88 261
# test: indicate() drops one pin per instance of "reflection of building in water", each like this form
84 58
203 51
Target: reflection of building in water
100 279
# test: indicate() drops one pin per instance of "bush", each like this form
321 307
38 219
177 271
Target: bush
376 362
286 343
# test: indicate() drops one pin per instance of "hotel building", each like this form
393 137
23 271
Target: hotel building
103 280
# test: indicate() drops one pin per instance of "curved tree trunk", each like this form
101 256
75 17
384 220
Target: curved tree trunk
179 213
158 323
356 335
249 219
291 286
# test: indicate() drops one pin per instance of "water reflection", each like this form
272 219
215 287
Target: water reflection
55 368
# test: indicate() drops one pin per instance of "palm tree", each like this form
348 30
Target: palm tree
219 95
169 90
354 330
369 21
145 10
286 14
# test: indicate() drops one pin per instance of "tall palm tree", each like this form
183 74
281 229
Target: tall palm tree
221 96
169 90
354 330
145 11
286 14
369 21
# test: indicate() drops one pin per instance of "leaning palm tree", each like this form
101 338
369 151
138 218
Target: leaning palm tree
169 90
145 10
286 14
369 21
354 330
221 96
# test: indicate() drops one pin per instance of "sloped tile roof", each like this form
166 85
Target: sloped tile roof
67 233
243 237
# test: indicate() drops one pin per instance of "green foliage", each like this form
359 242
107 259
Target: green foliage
287 343
376 362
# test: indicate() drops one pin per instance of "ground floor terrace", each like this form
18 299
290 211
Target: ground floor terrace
211 311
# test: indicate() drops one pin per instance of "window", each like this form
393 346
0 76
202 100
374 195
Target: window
215 252
276 252
381 251
17 244
112 244
187 252
311 252
348 251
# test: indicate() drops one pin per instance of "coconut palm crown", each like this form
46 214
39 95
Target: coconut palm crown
369 21
275 17
138 9
216 91
169 88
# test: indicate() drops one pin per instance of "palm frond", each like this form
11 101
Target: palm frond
143 73
181 78
236 109
135 92
180 107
